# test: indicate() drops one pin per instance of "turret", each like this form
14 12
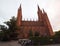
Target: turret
39 14
19 16
47 23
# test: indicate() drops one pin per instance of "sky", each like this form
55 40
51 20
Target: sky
9 8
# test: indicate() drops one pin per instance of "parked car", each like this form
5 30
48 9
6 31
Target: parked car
24 41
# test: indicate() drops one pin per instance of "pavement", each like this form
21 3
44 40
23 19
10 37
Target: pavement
10 43
15 43
53 45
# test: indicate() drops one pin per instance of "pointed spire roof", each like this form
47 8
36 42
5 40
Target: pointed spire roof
44 12
19 16
20 7
39 8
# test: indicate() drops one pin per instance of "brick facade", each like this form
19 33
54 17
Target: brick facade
42 26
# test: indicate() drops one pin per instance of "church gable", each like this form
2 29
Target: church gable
42 26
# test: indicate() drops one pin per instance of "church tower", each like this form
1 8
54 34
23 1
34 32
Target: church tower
49 29
19 16
39 14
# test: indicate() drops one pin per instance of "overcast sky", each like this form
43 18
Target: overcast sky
8 8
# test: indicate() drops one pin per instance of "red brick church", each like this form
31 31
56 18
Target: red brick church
42 25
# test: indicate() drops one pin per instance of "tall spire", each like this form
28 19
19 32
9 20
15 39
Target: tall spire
19 16
39 14
20 7
39 8
47 23
44 12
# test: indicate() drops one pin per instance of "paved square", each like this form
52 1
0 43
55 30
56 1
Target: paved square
15 43
10 43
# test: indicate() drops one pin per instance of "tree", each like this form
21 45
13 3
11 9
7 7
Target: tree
36 33
11 23
12 27
4 33
30 33
56 37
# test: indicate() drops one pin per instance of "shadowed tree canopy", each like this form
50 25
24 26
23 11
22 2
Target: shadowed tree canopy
11 23
12 27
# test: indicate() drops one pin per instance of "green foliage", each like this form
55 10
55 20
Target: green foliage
40 40
56 37
46 40
12 27
37 33
11 24
4 34
30 34
57 33
10 32
35 40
